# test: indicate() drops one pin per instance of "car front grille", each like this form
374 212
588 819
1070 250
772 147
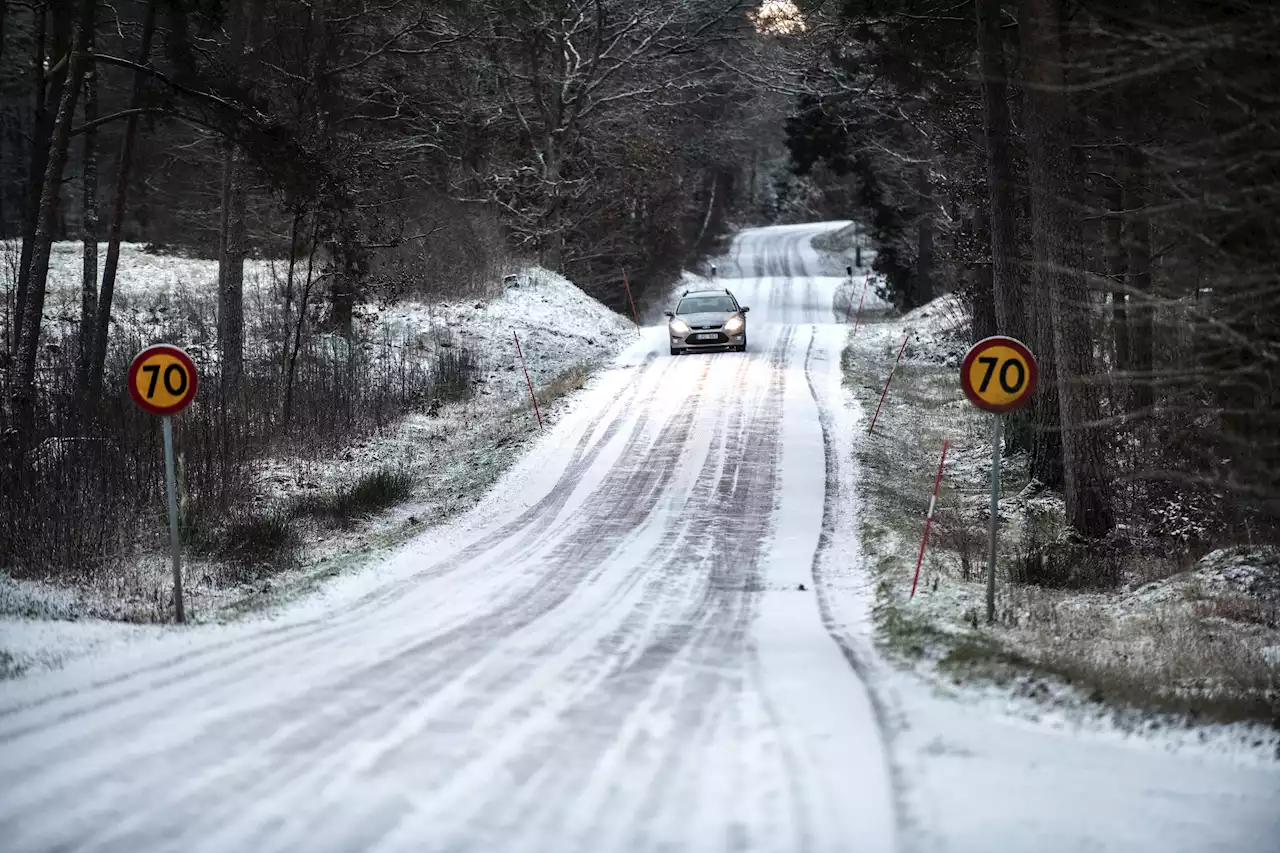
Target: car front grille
720 338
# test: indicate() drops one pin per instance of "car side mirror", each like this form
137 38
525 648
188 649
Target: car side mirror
670 313
745 309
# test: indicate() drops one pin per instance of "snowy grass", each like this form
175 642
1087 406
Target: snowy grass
1189 640
308 514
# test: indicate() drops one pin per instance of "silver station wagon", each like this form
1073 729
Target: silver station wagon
707 320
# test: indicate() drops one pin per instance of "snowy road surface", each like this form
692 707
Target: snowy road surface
612 653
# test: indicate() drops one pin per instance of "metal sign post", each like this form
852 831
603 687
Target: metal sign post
171 484
163 381
998 375
995 518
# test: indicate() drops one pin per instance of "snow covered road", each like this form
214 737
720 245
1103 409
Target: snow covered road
652 636
612 654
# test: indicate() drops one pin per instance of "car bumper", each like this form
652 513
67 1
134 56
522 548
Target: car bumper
723 341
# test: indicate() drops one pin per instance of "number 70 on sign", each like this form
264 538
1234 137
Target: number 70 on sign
999 374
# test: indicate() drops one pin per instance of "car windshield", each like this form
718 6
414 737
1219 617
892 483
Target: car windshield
706 304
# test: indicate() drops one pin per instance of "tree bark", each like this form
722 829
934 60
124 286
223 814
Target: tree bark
923 289
124 170
1007 289
232 239
89 179
4 15
981 280
33 310
1141 313
41 133
1056 178
1114 258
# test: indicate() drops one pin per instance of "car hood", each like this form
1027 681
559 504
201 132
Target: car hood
709 318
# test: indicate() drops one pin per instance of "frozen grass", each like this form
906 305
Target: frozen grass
367 495
308 513
1197 640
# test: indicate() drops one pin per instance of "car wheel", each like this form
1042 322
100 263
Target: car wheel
675 351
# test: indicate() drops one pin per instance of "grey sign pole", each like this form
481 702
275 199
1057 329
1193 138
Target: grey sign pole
171 481
995 518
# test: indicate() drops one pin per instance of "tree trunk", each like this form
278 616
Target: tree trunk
1056 178
1141 311
41 133
923 289
33 310
1114 257
89 178
981 282
4 14
102 325
1007 290
231 235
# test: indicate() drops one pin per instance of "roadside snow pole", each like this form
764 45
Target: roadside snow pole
162 380
858 319
893 369
532 396
998 375
632 301
928 519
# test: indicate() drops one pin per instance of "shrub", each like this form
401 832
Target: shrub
453 370
365 496
259 542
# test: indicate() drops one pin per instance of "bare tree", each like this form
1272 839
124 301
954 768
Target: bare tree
1061 295
124 172
1006 281
89 229
33 309
245 19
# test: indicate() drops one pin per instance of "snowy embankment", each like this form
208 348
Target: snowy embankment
454 451
1184 653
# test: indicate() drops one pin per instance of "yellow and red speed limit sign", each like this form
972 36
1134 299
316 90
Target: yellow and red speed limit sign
999 374
162 379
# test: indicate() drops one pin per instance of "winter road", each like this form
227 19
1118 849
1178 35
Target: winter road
616 657
611 654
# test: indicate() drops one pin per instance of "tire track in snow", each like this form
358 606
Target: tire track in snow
705 634
822 586
543 510
400 671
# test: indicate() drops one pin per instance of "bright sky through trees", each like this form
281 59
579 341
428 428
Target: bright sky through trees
778 17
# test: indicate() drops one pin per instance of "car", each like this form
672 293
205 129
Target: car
707 320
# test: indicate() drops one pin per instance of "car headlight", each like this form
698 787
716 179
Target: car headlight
734 325
679 327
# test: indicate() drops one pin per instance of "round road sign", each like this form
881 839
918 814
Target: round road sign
999 374
162 379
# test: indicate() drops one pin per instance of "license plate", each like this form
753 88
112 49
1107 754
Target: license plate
705 337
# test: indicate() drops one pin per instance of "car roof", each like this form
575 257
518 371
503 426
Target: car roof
705 293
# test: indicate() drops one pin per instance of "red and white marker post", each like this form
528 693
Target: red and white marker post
634 313
892 370
532 396
858 320
928 519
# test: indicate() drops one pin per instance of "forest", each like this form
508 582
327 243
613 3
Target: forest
1096 178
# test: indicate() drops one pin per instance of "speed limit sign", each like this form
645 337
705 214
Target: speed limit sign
999 374
162 380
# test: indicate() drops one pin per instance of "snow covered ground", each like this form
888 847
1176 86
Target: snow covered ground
655 633
454 454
